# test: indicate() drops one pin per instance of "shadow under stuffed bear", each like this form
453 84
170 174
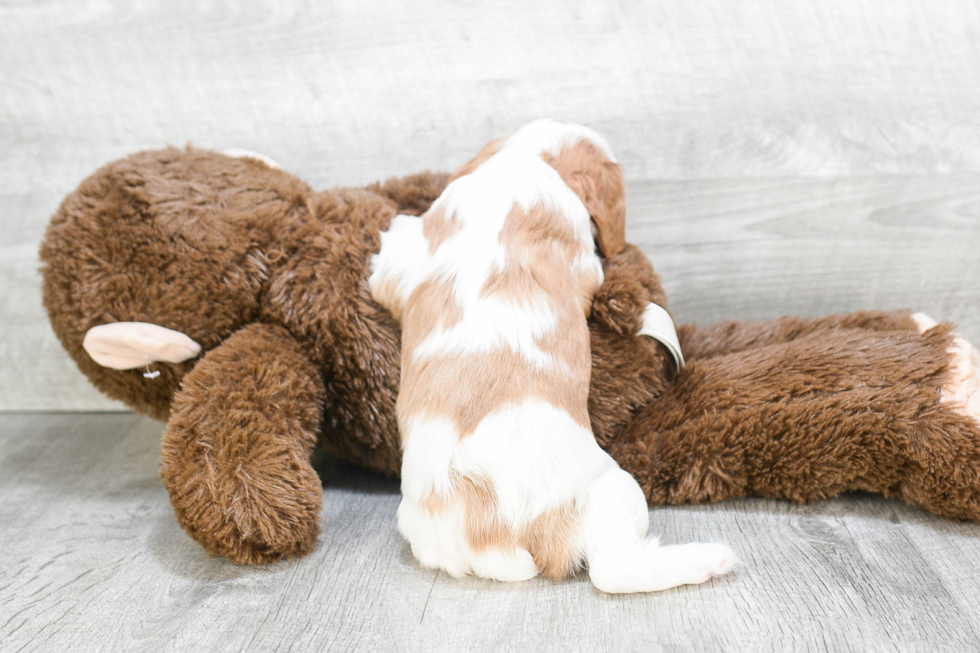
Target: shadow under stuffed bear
254 287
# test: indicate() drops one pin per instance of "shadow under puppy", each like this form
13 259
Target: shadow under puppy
501 474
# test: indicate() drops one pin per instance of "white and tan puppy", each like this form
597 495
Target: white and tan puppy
501 476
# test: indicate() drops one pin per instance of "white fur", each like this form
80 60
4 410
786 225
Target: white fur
400 262
551 136
537 457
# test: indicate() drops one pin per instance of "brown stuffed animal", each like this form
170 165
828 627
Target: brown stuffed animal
245 263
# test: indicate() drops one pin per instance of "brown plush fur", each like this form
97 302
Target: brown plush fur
271 279
242 495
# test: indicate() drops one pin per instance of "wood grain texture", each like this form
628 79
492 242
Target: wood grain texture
757 249
785 157
91 558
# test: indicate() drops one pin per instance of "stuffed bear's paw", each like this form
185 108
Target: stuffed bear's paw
250 509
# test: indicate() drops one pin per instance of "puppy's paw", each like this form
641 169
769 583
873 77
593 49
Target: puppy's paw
709 560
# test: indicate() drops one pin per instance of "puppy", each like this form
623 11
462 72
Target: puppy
501 476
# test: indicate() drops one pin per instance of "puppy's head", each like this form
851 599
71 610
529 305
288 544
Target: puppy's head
586 164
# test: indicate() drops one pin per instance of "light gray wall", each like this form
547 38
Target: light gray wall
782 157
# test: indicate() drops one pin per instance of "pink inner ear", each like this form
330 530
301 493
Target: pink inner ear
128 345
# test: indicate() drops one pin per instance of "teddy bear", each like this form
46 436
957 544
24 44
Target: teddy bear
225 296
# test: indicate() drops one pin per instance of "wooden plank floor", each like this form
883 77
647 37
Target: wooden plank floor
91 558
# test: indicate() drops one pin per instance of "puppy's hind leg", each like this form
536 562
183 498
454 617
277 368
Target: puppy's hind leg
511 565
622 559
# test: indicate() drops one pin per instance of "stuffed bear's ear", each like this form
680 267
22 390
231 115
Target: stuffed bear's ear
128 345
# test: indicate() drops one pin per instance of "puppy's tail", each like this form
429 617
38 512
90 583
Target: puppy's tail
622 559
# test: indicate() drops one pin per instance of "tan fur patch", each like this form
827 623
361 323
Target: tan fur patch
598 182
384 293
478 499
437 228
548 539
432 305
484 528
435 503
466 388
537 228
541 246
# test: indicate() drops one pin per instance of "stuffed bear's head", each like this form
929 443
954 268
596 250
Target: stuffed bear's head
188 270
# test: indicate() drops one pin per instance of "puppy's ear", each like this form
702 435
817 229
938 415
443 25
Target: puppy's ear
598 182
604 197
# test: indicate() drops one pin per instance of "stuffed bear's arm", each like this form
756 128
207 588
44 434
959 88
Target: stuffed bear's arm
735 335
236 451
413 194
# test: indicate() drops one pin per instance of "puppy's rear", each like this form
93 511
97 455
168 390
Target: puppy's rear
501 475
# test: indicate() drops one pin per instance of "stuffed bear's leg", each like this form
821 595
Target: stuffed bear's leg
235 454
947 466
825 413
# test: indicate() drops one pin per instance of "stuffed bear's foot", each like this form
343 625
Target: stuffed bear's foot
962 389
943 474
236 452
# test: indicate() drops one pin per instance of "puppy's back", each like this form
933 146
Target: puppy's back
496 362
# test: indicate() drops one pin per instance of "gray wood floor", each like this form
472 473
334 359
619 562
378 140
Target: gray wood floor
91 558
